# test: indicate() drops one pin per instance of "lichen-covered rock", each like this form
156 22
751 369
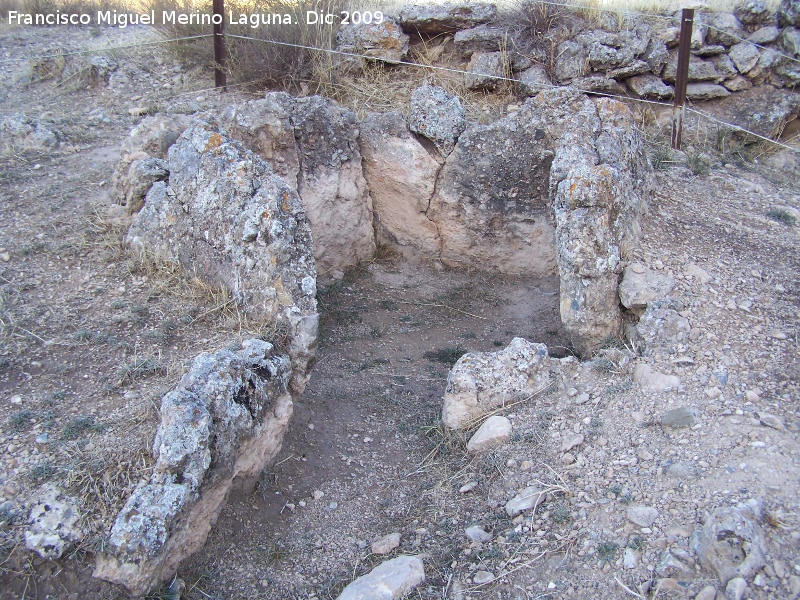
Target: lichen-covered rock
402 179
449 17
484 71
599 181
724 28
312 143
53 523
383 41
650 86
764 110
571 61
142 174
744 55
20 133
150 139
662 328
597 83
389 580
533 80
483 381
101 68
438 116
219 428
225 215
789 13
755 12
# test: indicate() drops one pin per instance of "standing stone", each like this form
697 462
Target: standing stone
391 579
599 178
312 144
438 116
220 428
401 175
224 215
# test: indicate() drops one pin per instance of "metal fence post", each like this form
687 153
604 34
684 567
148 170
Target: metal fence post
220 77
682 76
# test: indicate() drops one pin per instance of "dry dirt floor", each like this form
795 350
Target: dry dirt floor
91 337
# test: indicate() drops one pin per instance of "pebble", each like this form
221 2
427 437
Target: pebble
685 416
752 396
318 495
483 577
735 589
526 499
477 534
713 392
386 544
630 560
707 593
5 257
778 334
572 442
467 487
15 399
643 516
582 398
42 438
794 584
137 111
770 420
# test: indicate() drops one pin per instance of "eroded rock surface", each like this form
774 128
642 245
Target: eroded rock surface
446 18
219 428
312 143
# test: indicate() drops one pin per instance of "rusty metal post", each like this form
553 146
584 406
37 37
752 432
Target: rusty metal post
220 77
682 76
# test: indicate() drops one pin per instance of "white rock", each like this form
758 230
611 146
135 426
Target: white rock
735 589
391 579
630 560
572 442
482 577
707 593
386 544
467 487
654 381
770 420
494 431
643 516
526 499
477 534
698 273
54 524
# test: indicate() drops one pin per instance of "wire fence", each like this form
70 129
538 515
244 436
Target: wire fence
430 67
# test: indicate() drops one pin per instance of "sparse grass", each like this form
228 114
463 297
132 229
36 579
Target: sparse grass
696 161
447 356
561 514
42 472
607 551
22 420
142 367
78 427
660 158
782 216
